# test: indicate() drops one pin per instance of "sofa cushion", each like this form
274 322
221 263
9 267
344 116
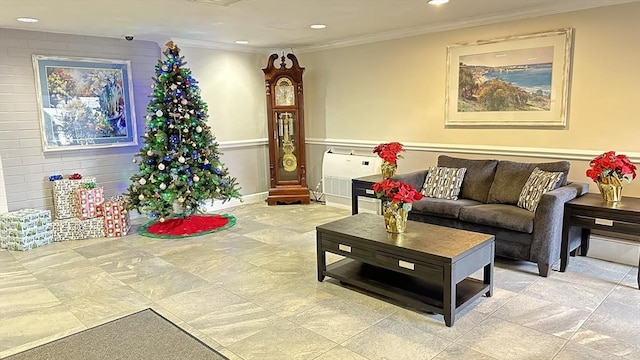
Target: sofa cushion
441 207
499 215
477 179
539 182
511 176
443 182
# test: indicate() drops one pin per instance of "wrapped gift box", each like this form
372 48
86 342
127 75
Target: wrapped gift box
89 202
77 229
65 202
25 229
92 228
116 217
67 229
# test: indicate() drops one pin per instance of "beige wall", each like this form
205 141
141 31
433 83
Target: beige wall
395 91
232 84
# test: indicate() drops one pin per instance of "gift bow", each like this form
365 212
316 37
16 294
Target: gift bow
75 176
55 177
89 185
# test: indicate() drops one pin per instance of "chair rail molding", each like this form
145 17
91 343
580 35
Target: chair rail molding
552 153
234 144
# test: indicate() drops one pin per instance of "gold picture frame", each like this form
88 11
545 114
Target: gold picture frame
515 81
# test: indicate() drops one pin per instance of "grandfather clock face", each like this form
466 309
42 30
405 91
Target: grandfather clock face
286 131
285 93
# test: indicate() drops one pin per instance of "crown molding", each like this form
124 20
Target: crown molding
558 7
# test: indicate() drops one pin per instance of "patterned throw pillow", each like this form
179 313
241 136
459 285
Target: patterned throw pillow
539 182
443 182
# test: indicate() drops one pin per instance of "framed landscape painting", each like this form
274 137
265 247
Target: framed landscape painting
84 103
510 82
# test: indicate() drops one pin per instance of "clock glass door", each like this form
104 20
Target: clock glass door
286 131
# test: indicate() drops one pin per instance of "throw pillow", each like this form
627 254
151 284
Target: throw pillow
443 182
539 182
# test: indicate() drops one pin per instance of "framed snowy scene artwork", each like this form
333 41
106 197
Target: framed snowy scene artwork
513 81
84 103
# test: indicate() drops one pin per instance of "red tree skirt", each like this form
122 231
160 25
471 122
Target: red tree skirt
194 225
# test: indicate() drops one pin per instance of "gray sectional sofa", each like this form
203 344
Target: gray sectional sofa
487 203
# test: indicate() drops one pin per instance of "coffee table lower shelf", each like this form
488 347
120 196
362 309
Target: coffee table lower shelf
421 294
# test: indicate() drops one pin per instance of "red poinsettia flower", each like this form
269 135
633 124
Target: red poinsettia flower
612 166
389 152
396 191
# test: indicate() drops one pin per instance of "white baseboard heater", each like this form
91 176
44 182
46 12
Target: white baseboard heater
338 168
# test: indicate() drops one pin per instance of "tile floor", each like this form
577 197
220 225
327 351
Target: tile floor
251 292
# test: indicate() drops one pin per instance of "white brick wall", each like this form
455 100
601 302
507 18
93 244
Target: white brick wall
24 165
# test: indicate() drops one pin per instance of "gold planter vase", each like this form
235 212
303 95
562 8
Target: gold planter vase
388 169
395 217
610 189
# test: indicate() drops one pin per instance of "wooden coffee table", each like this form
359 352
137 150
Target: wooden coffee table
427 267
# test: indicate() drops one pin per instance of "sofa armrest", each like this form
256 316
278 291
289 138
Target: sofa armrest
416 178
547 222
581 188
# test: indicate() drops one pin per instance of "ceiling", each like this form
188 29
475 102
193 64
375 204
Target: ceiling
271 24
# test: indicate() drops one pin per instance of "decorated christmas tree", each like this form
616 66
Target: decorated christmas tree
180 162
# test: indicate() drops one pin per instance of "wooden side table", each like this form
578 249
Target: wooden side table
590 211
362 187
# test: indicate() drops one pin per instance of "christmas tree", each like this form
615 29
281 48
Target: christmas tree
180 163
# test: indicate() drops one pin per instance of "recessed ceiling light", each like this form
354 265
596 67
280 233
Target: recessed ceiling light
242 42
27 19
437 2
318 26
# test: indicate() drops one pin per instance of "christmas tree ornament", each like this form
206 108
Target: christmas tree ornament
181 159
198 129
142 181
163 186
196 178
140 197
161 166
159 113
150 153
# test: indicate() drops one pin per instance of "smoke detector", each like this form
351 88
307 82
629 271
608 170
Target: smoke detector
216 2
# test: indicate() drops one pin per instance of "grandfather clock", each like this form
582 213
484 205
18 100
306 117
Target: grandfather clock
285 114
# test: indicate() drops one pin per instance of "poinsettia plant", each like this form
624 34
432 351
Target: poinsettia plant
396 192
389 152
610 166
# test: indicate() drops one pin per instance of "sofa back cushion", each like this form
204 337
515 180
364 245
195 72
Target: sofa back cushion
511 176
477 179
